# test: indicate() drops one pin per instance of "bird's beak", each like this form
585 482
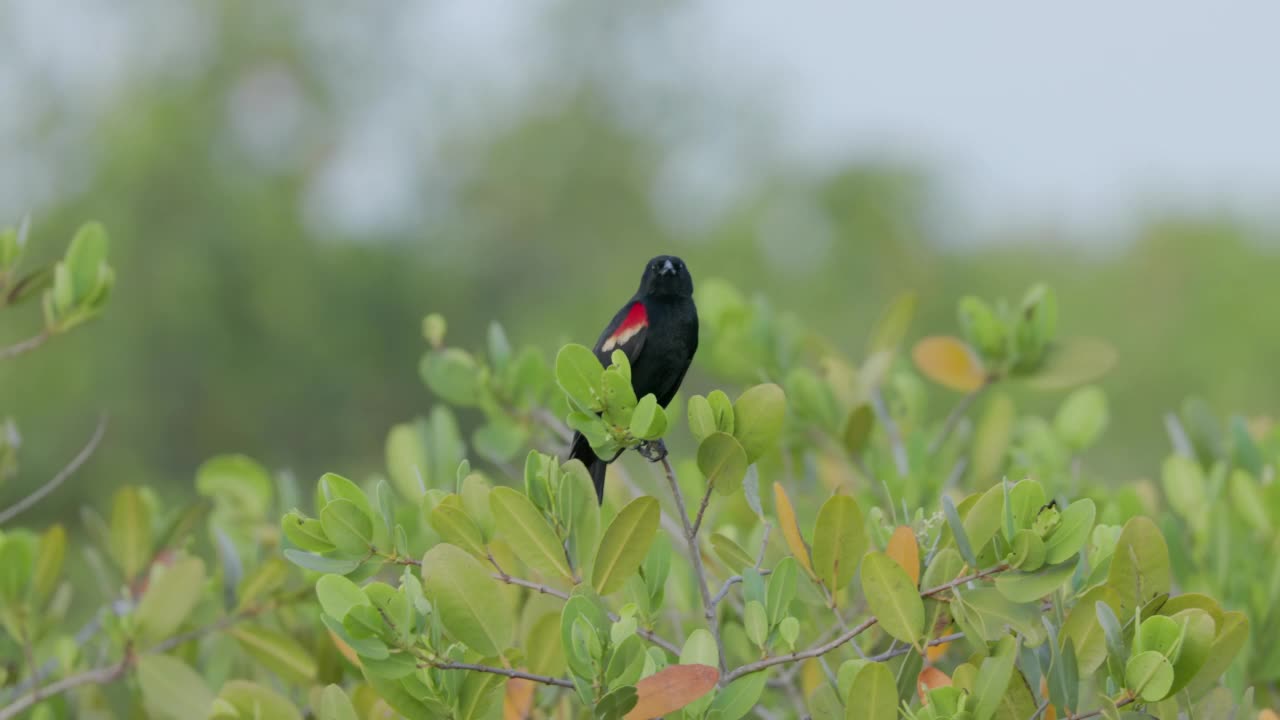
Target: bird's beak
667 268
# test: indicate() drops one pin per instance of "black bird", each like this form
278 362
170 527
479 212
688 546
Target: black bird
658 330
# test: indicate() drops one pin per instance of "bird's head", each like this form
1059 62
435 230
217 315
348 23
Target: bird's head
666 275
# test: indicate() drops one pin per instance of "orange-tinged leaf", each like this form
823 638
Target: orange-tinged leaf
519 699
672 688
1051 713
931 678
949 362
1268 714
347 651
790 528
905 551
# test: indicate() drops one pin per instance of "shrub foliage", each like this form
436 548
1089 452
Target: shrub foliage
818 543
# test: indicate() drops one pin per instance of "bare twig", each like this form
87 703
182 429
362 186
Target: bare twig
39 494
558 682
100 676
1097 713
957 414
695 556
555 424
724 589
702 509
903 650
25 346
853 632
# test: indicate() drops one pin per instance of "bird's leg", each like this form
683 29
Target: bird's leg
652 450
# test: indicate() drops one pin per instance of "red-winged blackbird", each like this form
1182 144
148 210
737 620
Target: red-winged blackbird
658 330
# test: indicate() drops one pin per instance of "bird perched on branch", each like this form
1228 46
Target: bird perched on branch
658 330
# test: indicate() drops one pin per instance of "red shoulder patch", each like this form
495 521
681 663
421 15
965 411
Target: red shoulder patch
635 321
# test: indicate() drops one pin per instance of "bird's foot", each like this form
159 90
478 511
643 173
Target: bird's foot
652 450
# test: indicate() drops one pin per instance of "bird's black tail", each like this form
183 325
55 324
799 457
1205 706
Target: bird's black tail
581 450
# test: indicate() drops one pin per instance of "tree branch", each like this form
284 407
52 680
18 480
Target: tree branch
853 632
100 676
957 414
39 494
25 346
1097 713
695 556
558 682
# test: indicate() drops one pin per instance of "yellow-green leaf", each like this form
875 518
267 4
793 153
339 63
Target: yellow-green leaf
171 689
528 533
839 540
130 531
277 652
466 596
758 415
625 543
893 597
874 695
723 462
169 599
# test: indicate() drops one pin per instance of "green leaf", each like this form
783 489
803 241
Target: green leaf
277 652
993 679
238 484
170 688
757 419
756 621
1028 551
648 421
1140 564
545 653
1073 362
739 698
731 553
454 375
1084 630
17 562
306 533
578 371
170 597
625 543
1082 418
1149 675
255 701
1233 633
456 527
464 595
335 705
530 536
347 526
47 571
874 695
1197 644
1073 531
722 410
893 597
407 461
130 531
839 541
317 563
723 462
1029 587
781 590
261 582
337 595
578 499
857 428
86 257
702 421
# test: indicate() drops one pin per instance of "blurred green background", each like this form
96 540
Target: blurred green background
290 188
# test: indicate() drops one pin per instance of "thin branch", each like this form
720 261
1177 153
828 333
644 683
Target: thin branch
645 633
957 414
695 556
25 346
555 424
100 676
702 509
1097 713
39 494
668 524
724 589
558 682
900 651
853 632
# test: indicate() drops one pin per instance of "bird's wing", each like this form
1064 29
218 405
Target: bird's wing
626 332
